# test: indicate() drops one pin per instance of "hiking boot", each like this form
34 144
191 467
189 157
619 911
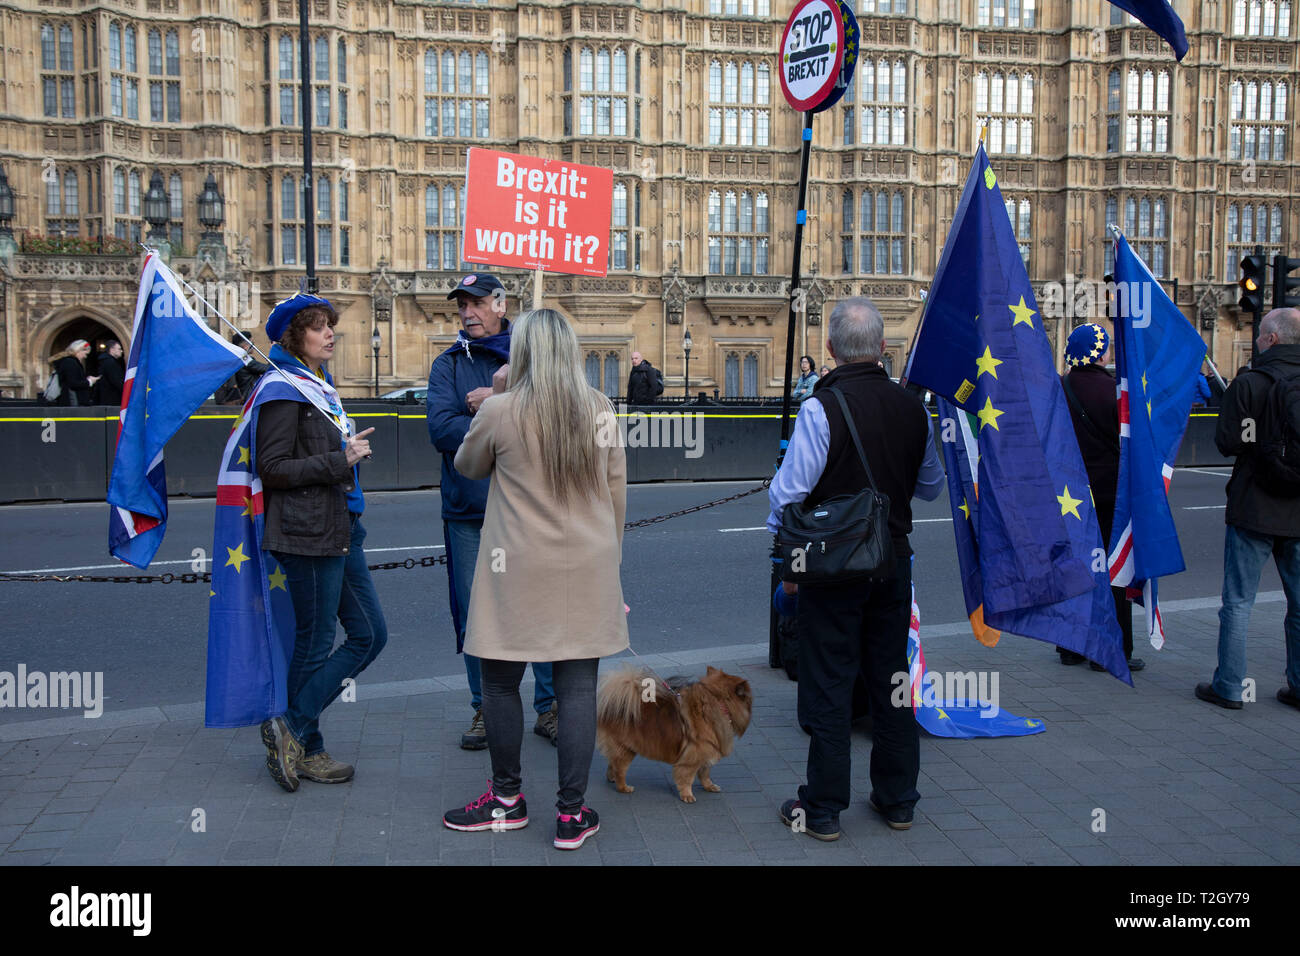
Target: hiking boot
1287 696
898 818
1207 693
282 752
572 829
488 813
548 724
322 768
476 737
792 813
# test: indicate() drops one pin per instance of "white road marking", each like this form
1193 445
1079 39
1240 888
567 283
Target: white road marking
1203 471
1204 507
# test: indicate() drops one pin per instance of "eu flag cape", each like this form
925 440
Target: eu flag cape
176 362
250 614
1158 357
981 345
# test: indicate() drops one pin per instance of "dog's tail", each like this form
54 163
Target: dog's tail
621 694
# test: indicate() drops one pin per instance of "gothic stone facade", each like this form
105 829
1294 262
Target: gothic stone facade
1089 117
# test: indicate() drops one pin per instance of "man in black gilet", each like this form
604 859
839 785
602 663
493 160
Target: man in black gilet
858 625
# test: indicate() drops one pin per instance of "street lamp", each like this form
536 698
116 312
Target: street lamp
212 210
374 347
6 206
686 384
157 210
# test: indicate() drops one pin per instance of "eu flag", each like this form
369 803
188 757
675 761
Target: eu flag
1158 357
1159 16
981 345
176 362
250 614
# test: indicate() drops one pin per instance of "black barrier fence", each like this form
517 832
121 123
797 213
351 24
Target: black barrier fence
66 454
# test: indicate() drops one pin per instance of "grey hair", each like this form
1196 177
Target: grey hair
1285 324
857 331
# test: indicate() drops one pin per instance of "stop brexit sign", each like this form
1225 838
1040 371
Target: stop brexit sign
812 54
533 213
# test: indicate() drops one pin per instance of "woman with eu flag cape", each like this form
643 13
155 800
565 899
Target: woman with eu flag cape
292 462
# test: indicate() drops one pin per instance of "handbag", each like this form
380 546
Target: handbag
53 389
841 538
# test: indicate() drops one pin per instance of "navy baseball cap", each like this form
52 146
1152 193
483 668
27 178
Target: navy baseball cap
478 284
284 311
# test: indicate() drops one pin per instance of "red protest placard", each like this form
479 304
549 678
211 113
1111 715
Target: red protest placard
534 213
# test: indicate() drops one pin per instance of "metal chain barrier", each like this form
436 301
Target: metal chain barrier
428 561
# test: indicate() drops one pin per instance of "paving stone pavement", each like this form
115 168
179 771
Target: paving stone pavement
1179 781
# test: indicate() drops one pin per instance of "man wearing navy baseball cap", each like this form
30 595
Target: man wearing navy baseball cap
459 381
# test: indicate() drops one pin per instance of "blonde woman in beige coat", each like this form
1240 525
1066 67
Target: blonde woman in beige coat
546 585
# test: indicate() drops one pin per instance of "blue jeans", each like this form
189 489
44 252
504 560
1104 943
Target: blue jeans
462 539
325 590
1244 554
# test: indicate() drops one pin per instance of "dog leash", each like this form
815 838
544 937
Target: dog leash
654 672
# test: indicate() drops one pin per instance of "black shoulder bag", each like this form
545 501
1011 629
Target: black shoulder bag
842 538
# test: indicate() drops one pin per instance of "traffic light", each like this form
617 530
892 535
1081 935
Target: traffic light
1285 285
1252 283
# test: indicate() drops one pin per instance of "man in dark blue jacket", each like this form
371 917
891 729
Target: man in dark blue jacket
459 381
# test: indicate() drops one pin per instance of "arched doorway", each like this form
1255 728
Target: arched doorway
85 327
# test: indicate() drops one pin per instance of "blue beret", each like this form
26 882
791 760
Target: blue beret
284 311
1086 345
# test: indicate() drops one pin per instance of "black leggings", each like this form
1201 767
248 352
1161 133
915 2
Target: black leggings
503 713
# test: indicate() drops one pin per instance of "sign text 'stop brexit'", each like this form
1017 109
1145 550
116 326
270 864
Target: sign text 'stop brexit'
533 213
812 53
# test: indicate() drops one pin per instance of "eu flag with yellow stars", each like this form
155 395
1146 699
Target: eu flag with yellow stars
250 614
1042 569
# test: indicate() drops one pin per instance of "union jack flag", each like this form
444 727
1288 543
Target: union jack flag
180 361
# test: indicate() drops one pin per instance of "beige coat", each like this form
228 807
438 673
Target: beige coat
546 585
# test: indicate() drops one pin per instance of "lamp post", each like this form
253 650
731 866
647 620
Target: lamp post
7 244
157 210
686 348
374 347
212 210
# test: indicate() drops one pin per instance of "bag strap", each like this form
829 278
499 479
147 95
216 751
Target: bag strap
853 431
1078 407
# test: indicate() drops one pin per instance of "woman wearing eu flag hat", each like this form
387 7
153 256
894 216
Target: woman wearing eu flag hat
1094 411
306 456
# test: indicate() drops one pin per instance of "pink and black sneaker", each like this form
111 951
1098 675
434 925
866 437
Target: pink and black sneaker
572 829
488 812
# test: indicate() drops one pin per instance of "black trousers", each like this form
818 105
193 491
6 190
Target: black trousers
1123 606
845 629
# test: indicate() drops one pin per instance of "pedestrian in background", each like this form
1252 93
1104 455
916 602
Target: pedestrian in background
313 501
70 367
112 376
459 381
1094 412
546 587
645 383
803 386
1262 517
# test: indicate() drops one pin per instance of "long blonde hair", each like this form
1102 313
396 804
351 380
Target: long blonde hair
555 407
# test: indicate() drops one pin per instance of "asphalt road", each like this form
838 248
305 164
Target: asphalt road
693 582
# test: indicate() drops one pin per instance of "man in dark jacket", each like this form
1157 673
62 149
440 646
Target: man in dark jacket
1094 411
237 388
645 383
459 381
112 375
857 626
1258 523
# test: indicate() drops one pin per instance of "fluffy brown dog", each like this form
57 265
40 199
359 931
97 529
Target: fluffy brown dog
692 725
